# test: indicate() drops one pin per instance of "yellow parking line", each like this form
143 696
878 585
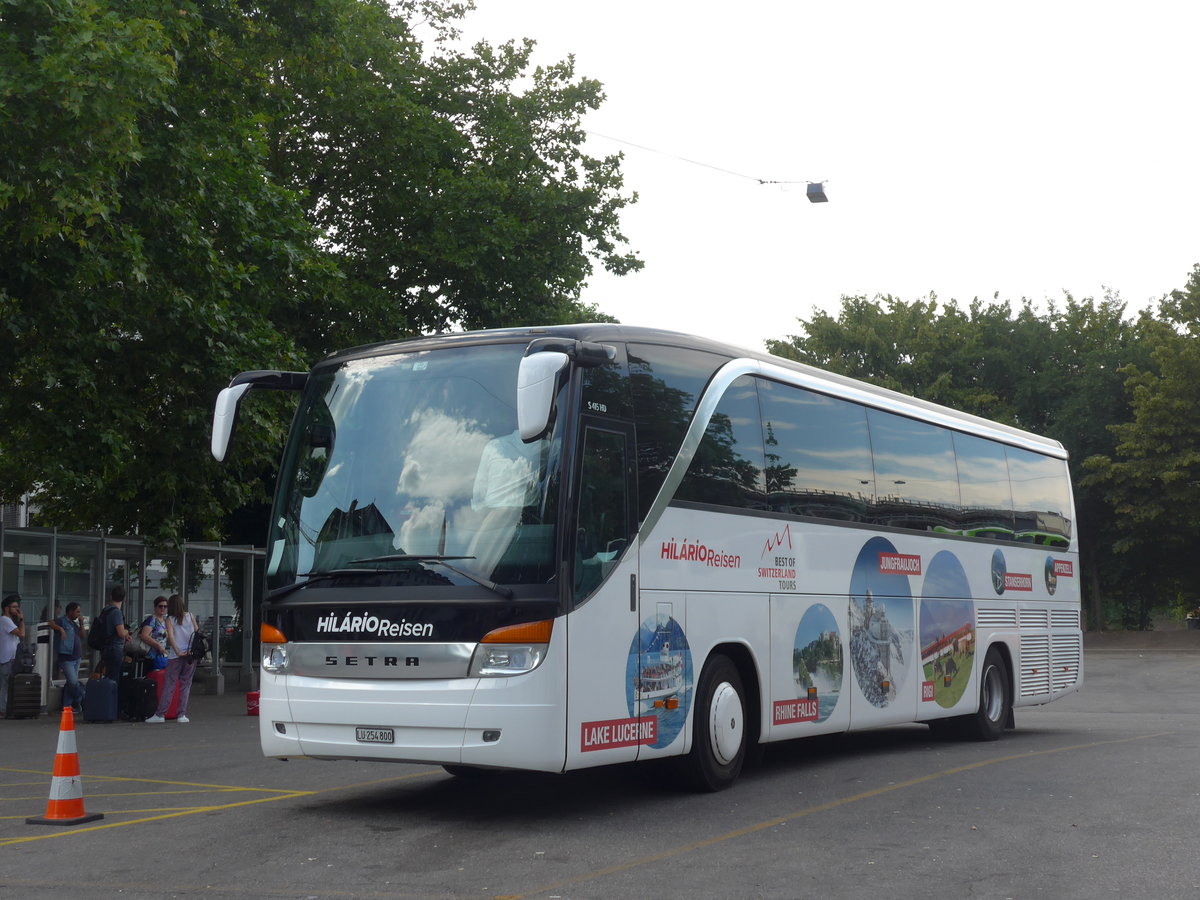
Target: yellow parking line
176 812
159 818
142 780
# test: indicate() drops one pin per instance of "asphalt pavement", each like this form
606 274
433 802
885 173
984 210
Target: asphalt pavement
1091 796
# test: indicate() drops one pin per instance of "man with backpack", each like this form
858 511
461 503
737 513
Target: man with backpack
109 635
12 632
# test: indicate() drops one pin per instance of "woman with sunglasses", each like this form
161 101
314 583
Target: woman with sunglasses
154 634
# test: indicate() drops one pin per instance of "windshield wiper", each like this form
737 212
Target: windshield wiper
324 575
440 560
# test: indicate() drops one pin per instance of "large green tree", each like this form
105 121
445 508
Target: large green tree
189 189
1152 475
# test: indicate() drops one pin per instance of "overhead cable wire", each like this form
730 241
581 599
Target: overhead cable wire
694 162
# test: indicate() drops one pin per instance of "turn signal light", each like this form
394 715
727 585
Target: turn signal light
512 650
269 634
526 633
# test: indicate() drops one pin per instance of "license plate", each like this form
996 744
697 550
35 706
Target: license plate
375 735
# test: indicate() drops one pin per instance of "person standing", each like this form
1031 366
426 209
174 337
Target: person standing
154 634
12 632
181 625
112 620
68 651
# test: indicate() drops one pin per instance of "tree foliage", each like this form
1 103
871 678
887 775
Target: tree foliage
1152 476
191 189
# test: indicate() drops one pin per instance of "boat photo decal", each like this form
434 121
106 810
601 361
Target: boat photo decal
881 620
947 632
658 677
817 669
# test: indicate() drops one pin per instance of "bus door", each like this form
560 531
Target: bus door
602 648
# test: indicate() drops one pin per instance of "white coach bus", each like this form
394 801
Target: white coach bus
554 548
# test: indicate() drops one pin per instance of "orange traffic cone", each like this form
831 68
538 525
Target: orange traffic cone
66 790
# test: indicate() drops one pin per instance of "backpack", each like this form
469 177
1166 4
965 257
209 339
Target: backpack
23 662
98 636
198 649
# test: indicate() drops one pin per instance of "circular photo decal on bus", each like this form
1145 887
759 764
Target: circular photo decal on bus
947 631
999 570
817 660
658 677
1051 576
881 621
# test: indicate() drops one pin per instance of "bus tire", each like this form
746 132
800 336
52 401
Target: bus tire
718 727
995 701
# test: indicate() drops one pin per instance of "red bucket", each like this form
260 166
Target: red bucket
252 703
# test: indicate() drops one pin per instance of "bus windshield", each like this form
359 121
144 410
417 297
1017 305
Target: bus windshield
401 461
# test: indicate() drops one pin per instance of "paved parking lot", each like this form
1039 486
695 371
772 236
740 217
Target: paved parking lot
1092 796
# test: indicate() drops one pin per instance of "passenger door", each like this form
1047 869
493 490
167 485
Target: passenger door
602 630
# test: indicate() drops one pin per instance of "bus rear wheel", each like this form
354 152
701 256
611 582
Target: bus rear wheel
995 701
718 728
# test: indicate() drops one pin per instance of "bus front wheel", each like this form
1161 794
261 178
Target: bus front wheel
719 727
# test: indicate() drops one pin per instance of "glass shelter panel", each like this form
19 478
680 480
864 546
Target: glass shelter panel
27 570
78 574
203 600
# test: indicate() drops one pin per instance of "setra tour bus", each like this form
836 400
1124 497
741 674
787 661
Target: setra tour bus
555 548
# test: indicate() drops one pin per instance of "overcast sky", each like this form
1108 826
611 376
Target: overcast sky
967 148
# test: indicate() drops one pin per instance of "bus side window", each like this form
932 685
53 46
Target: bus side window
915 476
818 454
727 469
602 526
987 507
1041 500
665 383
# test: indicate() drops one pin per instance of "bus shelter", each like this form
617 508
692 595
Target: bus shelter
220 583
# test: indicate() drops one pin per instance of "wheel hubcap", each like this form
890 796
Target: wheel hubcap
993 694
726 723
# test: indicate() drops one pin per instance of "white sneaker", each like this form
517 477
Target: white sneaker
154 720
183 720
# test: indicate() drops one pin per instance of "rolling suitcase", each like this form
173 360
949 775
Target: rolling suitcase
24 696
157 676
135 668
139 698
100 700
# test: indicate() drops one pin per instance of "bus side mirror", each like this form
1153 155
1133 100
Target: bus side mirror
226 409
224 418
537 381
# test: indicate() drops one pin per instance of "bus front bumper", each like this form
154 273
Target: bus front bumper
516 722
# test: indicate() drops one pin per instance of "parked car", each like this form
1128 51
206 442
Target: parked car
231 635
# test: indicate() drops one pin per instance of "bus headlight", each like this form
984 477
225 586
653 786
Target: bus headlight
512 650
507 659
274 649
275 658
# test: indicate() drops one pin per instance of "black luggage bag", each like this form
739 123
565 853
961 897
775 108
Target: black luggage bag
139 699
24 696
